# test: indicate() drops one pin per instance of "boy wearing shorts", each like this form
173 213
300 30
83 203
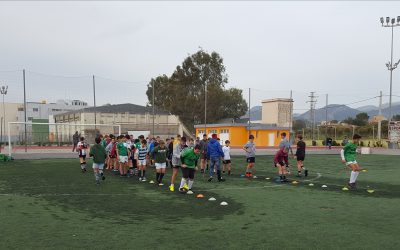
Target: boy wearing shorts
348 154
176 161
227 157
142 160
300 155
99 156
122 156
160 154
189 157
281 161
250 149
82 147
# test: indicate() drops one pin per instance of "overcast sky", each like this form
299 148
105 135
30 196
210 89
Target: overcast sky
337 48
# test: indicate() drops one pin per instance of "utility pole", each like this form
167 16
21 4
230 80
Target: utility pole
94 103
291 134
205 109
312 101
249 123
3 92
326 118
153 108
25 112
379 120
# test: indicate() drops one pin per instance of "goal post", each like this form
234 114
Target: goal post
37 134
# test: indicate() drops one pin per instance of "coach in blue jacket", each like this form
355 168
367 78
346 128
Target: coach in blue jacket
215 154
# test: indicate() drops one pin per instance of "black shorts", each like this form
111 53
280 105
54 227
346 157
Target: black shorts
280 163
300 157
176 166
226 161
188 173
82 156
251 160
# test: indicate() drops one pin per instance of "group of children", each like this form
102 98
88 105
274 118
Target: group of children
129 157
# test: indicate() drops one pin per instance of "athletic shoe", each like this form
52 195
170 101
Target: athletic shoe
84 169
221 180
352 185
210 179
298 174
171 188
189 192
160 184
103 177
144 179
140 179
182 191
186 187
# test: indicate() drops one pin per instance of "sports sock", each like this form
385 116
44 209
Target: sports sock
219 174
158 177
144 173
183 182
281 177
97 176
353 176
161 177
82 166
356 175
190 183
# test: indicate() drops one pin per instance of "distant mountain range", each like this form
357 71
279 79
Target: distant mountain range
335 112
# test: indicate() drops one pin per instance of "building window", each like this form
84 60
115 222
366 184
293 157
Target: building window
35 110
30 118
224 131
20 109
212 131
54 110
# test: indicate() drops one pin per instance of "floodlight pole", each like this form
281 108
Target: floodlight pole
390 23
153 108
25 114
94 103
3 91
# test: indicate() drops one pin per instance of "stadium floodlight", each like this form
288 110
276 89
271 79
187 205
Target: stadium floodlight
391 23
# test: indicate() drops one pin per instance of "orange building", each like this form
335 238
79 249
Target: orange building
238 133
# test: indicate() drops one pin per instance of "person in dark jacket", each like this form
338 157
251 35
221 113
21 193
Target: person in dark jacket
281 161
215 153
75 140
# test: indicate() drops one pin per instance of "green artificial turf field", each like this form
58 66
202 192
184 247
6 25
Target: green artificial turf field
50 204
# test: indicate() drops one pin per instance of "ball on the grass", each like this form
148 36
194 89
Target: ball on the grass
224 203
212 199
311 184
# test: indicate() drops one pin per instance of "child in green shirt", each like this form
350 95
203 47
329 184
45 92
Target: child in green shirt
159 155
99 157
348 154
189 156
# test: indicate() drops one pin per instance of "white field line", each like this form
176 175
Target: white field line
319 175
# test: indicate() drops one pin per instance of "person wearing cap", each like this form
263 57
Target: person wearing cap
215 153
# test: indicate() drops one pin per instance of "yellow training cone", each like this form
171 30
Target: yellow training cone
345 189
295 182
364 170
370 191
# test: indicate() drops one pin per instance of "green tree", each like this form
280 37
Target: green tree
298 125
396 117
361 119
183 93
